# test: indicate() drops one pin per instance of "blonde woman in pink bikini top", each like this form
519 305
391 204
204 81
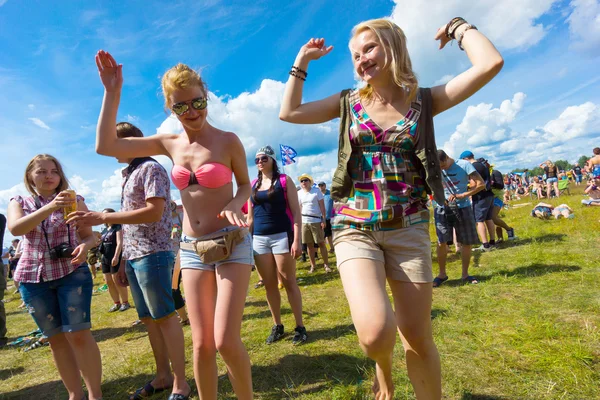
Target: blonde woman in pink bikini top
205 158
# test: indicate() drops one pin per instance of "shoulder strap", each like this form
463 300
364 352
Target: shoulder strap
288 210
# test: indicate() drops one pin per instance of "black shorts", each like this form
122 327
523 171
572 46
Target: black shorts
482 209
327 229
107 268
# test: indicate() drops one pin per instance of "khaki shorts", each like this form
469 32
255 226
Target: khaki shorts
312 233
405 252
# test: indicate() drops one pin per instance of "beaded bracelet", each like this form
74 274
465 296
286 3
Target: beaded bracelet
462 34
295 75
296 69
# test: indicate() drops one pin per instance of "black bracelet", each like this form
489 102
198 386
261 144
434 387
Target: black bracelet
294 68
454 27
449 25
295 75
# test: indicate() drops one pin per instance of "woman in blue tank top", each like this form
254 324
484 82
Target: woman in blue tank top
274 218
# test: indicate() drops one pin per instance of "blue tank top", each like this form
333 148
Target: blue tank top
270 216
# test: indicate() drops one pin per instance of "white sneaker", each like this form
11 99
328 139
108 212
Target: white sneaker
481 248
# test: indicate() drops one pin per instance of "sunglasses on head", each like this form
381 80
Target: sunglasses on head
304 180
181 108
261 159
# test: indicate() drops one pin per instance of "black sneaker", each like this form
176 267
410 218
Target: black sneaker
300 335
276 334
511 234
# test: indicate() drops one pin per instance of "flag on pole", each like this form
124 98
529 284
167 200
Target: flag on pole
288 155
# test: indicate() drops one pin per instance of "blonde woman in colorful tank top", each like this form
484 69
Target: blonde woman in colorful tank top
386 166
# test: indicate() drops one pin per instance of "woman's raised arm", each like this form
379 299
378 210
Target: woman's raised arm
486 63
315 112
107 142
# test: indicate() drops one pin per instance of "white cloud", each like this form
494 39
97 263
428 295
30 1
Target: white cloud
444 79
3 2
170 125
574 122
584 26
487 132
132 118
39 123
7 194
484 125
510 25
31 106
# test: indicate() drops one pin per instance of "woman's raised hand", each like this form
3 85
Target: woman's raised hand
441 36
315 49
111 73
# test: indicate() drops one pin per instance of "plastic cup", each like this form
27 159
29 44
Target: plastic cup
71 207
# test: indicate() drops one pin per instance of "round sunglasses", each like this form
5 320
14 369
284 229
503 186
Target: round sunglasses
181 108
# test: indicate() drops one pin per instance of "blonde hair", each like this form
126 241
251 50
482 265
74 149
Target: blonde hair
180 77
549 164
397 60
64 183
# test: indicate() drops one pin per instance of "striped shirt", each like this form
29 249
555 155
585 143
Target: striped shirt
35 264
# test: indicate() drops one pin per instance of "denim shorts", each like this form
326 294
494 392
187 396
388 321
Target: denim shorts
150 282
498 202
277 243
241 254
61 305
551 180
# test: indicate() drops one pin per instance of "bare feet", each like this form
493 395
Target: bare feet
385 391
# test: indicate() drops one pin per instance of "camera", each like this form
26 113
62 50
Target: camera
63 250
452 213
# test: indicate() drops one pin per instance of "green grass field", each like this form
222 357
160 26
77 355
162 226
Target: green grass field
529 330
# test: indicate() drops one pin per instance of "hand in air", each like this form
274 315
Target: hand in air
111 73
315 49
233 215
441 36
85 218
79 254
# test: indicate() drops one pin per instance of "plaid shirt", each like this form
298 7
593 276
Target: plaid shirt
35 264
148 180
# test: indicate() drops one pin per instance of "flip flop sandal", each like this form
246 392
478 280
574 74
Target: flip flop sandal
149 391
470 279
37 345
177 396
437 281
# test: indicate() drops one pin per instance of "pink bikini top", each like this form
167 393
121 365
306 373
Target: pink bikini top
210 175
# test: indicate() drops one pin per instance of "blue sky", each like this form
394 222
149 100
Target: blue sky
544 104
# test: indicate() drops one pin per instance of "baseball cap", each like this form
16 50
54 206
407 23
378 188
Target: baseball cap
321 183
466 154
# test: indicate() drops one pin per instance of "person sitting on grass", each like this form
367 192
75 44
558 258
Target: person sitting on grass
592 190
537 188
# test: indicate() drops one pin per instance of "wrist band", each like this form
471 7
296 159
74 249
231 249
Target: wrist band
295 75
296 69
452 25
462 34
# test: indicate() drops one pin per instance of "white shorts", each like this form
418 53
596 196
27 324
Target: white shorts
277 243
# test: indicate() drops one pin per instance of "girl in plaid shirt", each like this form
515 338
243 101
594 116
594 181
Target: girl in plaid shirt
56 285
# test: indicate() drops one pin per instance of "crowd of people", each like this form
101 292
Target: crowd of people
375 216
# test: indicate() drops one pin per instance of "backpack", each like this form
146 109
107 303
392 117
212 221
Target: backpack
283 182
497 180
486 176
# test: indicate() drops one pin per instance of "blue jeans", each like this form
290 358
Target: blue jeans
150 282
62 305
